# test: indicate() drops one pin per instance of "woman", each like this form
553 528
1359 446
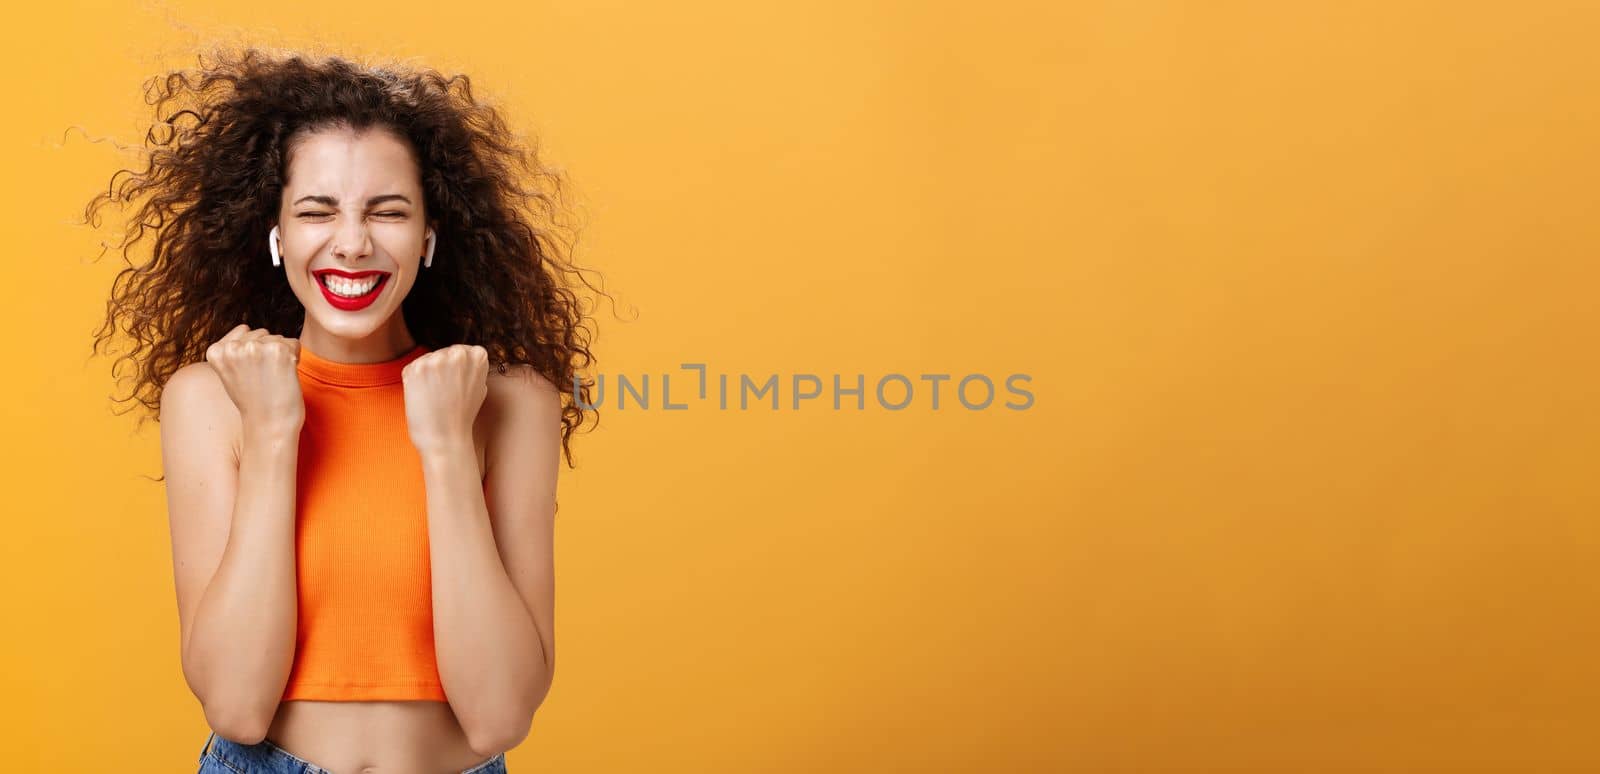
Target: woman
361 509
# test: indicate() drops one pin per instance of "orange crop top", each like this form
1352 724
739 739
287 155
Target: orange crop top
365 624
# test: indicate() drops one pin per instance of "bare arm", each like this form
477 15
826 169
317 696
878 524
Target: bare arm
493 584
231 512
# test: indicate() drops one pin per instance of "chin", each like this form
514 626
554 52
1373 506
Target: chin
350 325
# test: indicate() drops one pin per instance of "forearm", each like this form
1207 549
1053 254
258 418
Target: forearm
241 645
490 657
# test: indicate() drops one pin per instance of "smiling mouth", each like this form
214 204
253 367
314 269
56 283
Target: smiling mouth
351 291
345 287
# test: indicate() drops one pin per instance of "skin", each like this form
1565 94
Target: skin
489 445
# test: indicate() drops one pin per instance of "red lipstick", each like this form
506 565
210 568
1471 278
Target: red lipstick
351 303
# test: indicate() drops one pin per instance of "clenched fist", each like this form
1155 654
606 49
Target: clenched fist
258 370
444 390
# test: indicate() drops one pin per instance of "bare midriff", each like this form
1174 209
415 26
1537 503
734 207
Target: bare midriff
374 737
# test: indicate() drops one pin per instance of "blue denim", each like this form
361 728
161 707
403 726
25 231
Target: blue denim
225 756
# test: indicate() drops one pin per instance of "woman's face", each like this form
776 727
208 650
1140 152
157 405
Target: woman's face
351 215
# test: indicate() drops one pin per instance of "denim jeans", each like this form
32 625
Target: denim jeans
224 756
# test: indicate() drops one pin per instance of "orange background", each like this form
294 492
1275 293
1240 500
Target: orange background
1306 291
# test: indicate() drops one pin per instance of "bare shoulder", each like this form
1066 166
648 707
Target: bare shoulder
515 398
194 401
520 386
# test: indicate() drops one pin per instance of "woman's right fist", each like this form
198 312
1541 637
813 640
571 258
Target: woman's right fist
258 370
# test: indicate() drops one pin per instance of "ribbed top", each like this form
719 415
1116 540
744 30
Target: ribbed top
356 374
362 570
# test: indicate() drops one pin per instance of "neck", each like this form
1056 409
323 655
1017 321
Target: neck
386 343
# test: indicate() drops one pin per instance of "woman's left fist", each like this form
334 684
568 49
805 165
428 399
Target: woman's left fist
444 390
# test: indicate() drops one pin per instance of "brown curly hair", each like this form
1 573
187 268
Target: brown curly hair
214 175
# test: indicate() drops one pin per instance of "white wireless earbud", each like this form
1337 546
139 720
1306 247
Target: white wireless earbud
428 260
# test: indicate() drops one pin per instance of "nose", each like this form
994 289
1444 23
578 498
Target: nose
351 241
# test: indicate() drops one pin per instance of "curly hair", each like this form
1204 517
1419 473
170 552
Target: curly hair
215 172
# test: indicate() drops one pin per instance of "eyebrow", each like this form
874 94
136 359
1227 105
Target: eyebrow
334 202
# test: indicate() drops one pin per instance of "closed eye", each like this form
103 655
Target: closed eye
387 214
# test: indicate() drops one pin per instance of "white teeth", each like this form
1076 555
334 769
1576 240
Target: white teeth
350 288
